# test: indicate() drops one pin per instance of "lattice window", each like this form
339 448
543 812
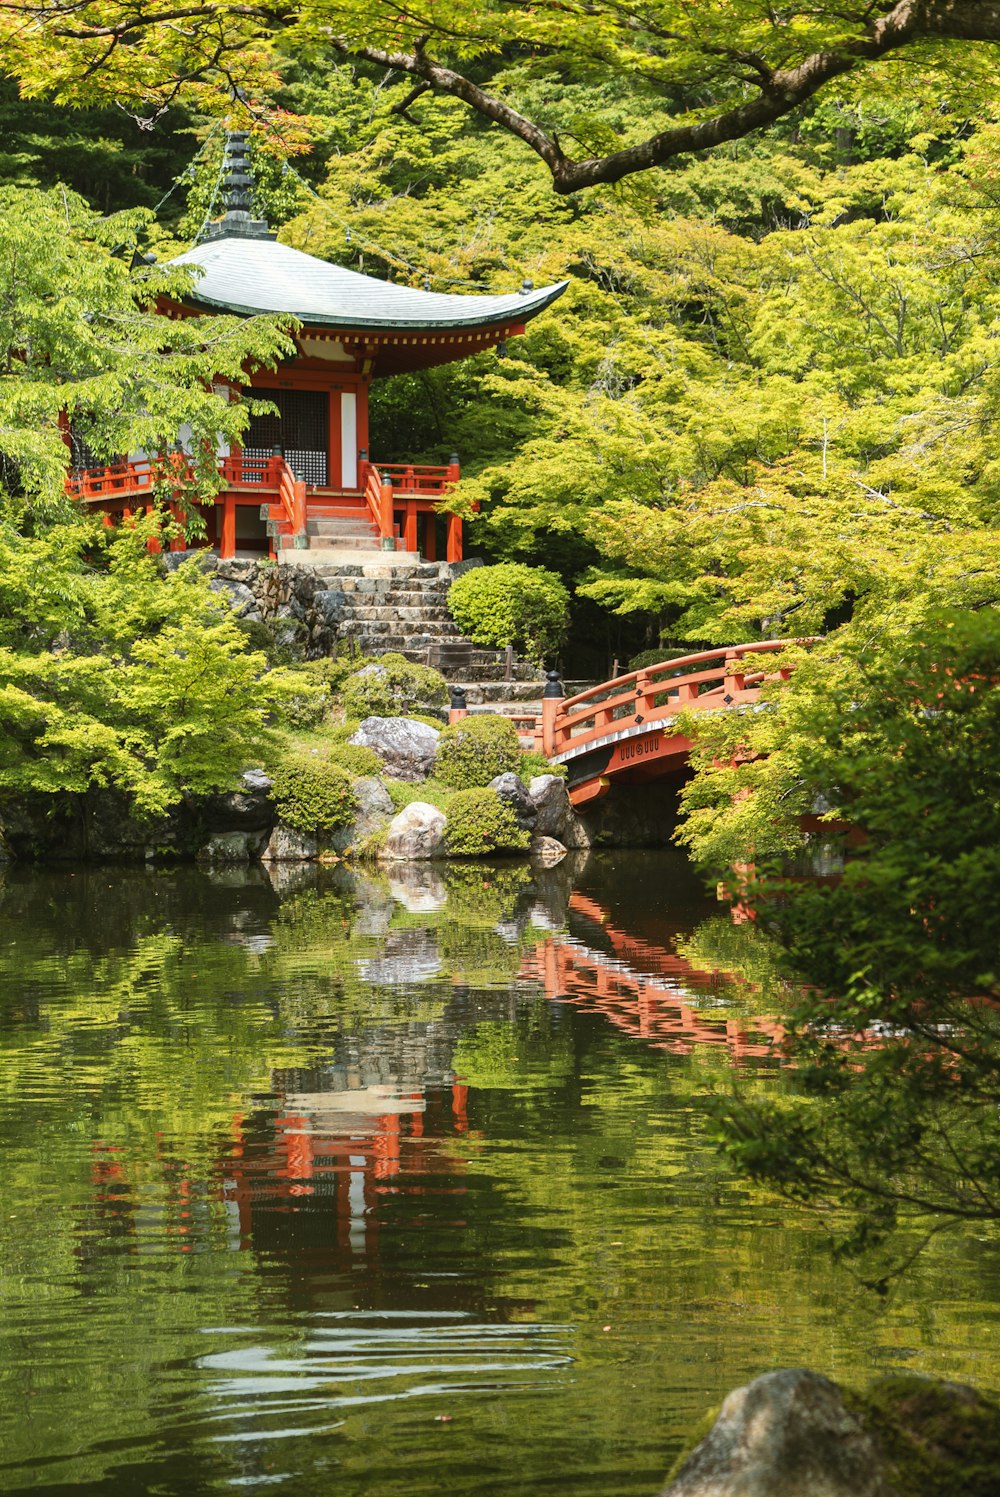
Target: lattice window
301 430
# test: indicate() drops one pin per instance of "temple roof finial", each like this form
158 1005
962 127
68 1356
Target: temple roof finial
238 221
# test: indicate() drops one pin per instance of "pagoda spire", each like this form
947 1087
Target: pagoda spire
237 222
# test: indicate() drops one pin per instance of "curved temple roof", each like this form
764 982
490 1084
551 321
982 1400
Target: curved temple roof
250 276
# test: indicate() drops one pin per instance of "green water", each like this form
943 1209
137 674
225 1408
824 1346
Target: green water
367 1186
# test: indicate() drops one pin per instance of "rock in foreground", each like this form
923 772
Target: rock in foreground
793 1433
786 1434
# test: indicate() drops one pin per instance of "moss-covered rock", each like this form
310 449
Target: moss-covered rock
938 1439
393 686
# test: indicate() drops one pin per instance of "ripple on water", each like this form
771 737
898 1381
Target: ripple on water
351 1360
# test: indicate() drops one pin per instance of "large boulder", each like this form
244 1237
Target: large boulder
225 848
286 845
786 1434
555 816
407 748
511 790
417 832
374 810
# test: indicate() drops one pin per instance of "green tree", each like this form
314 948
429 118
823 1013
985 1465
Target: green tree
702 78
892 1034
112 673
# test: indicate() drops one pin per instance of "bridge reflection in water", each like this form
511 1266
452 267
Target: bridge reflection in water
649 993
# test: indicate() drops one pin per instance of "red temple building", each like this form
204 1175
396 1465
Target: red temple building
304 478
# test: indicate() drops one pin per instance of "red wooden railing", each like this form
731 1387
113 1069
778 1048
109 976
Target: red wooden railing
407 478
382 486
377 492
719 678
111 481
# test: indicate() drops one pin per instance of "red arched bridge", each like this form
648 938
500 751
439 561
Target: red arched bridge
624 731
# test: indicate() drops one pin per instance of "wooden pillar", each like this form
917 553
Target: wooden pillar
387 526
454 549
227 544
410 527
152 542
430 536
178 543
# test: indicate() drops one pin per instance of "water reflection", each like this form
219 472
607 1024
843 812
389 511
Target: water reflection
384 1183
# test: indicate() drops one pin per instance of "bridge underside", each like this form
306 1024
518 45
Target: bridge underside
635 757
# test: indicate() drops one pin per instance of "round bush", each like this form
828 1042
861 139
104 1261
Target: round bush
475 750
314 795
393 686
512 604
480 823
356 758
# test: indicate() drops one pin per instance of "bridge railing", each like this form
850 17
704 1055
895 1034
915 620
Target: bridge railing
709 678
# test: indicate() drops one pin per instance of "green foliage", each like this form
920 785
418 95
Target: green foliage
393 686
512 604
476 749
113 674
356 758
533 763
480 823
893 1035
314 794
310 706
81 338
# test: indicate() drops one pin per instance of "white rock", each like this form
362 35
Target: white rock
417 832
407 748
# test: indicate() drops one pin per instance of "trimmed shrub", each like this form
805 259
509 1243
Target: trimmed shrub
512 604
480 823
393 686
356 758
475 750
313 795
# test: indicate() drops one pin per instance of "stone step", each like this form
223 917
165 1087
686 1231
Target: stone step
352 542
390 609
524 694
338 525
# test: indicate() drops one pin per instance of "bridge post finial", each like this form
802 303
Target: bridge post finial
552 699
458 707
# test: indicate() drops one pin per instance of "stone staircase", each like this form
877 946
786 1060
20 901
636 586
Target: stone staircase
400 605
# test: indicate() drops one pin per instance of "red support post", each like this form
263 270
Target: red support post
454 549
552 700
410 527
152 542
385 512
227 543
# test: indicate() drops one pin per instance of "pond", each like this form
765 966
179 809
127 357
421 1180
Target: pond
369 1184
